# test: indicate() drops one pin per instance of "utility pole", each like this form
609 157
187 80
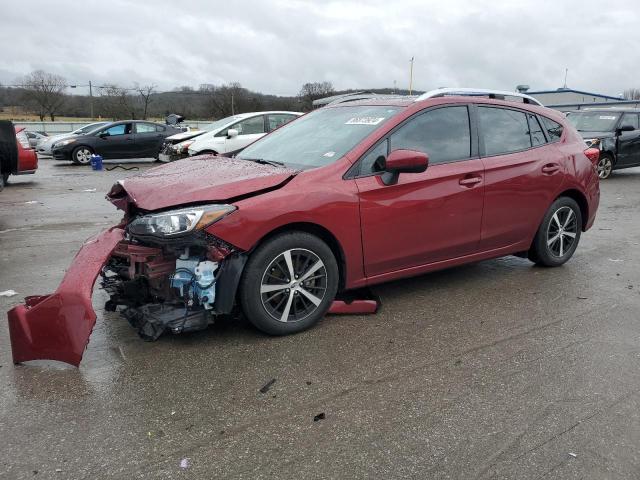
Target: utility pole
566 72
411 76
232 106
91 99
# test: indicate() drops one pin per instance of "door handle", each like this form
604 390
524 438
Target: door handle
550 168
470 181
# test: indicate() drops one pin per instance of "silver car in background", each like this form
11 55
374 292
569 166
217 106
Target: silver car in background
44 147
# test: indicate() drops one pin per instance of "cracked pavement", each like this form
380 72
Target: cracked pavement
496 370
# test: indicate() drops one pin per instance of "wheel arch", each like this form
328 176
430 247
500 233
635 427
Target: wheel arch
581 200
319 231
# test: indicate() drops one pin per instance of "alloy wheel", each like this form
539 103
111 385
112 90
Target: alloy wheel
83 155
562 231
604 167
293 285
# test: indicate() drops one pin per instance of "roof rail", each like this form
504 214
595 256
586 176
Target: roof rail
477 92
369 96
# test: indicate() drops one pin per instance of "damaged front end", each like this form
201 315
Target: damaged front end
172 286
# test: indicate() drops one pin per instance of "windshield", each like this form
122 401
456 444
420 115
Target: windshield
88 128
319 138
593 121
220 123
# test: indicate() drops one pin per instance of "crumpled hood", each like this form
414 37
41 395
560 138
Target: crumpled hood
181 137
196 180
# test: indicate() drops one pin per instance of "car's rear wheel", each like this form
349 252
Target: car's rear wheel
81 155
558 235
289 283
605 166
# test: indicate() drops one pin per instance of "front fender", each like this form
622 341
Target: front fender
58 326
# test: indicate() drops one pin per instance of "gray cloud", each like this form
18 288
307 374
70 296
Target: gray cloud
275 46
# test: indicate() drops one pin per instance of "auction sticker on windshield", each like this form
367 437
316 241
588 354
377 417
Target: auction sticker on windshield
364 121
607 117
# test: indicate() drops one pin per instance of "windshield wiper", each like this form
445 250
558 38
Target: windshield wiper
262 161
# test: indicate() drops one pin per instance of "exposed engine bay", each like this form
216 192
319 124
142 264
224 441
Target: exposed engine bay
178 286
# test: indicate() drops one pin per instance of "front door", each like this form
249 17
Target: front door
426 217
249 130
116 141
629 142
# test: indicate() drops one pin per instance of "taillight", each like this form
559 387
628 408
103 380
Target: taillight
593 154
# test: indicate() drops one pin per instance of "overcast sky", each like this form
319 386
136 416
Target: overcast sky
274 46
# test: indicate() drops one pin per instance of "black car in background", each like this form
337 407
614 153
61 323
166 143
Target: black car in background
616 132
123 139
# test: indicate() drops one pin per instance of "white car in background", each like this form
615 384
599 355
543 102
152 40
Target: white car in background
237 132
44 147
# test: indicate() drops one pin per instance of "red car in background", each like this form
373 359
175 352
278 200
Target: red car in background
347 196
17 157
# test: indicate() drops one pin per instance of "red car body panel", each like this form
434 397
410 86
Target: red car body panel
450 214
27 157
58 326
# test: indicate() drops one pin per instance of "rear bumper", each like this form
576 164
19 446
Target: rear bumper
58 326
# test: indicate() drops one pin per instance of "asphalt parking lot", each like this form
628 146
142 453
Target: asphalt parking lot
494 370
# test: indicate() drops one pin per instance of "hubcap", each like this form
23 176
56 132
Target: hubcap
83 155
293 285
562 231
604 167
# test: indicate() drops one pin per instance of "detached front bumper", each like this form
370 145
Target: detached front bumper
58 326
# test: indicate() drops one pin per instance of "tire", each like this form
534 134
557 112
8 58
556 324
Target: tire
294 307
558 235
81 155
605 166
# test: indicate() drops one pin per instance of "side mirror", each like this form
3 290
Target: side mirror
232 132
626 128
403 161
103 134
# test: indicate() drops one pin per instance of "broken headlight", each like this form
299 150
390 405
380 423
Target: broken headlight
176 222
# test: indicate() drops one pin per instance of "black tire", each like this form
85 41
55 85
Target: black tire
605 166
268 269
561 225
81 155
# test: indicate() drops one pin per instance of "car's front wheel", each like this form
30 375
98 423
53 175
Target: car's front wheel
605 166
289 283
558 235
81 155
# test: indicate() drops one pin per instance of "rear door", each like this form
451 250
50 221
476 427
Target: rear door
523 172
425 217
629 142
148 139
116 141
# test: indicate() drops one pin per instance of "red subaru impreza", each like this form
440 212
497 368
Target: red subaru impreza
350 195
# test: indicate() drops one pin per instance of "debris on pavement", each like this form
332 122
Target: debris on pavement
184 463
616 260
320 416
31 202
267 385
573 454
8 293
90 190
582 298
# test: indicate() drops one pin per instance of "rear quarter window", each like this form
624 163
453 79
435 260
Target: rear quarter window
554 129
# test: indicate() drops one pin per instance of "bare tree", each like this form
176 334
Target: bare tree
116 102
632 94
145 94
224 100
44 92
314 90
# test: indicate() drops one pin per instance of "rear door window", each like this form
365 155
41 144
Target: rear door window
535 130
145 128
276 120
503 130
